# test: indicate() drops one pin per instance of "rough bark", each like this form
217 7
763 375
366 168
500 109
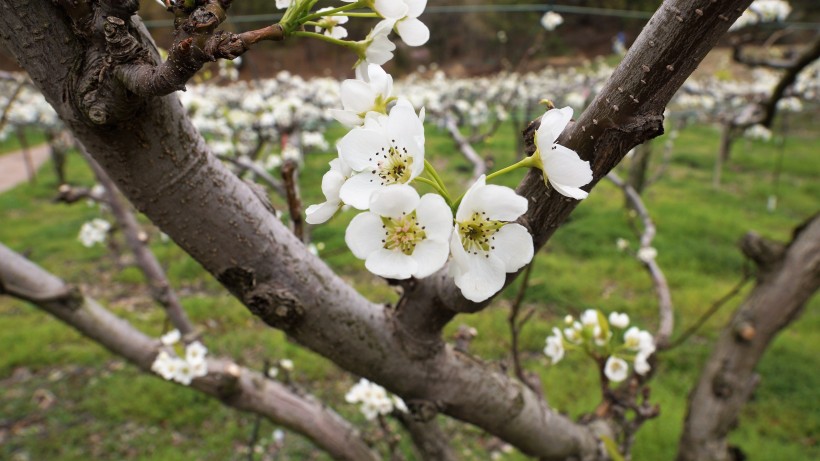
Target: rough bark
159 161
233 385
788 277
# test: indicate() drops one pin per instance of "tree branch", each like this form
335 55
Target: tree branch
785 285
232 384
666 323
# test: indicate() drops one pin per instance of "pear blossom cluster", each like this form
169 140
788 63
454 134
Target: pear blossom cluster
191 363
374 400
611 342
399 233
94 232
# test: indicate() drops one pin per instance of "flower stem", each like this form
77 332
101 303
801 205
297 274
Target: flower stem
325 38
435 186
332 12
526 162
428 167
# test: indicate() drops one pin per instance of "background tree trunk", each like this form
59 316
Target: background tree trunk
789 276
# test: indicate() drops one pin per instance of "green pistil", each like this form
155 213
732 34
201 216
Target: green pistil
477 233
402 233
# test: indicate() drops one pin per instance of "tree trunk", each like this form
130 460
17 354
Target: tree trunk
789 276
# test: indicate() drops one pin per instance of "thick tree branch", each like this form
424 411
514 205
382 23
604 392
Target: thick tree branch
788 277
232 384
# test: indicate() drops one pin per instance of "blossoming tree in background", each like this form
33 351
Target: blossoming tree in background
449 252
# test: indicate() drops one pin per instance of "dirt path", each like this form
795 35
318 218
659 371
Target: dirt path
14 168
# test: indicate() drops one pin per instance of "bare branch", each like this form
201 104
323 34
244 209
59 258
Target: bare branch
290 176
464 146
232 384
666 322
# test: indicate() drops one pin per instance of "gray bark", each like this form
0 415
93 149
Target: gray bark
789 276
233 385
159 161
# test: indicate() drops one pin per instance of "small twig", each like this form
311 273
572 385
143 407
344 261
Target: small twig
290 176
747 275
147 262
391 439
665 308
257 423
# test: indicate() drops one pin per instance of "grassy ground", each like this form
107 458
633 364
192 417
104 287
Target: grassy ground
64 398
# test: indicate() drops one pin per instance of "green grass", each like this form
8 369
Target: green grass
107 410
33 136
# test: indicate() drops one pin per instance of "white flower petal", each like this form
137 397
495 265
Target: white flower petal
347 118
513 246
321 212
360 145
391 264
364 234
357 96
413 32
331 183
430 256
390 9
563 166
358 189
500 203
435 216
468 204
415 7
380 81
394 201
553 123
478 276
573 192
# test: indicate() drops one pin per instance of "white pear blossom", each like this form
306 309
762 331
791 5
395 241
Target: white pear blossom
332 183
486 245
647 254
618 320
360 96
283 4
388 9
758 132
384 152
412 31
402 235
94 232
286 364
330 25
165 365
621 244
561 166
170 338
551 20
641 363
376 47
555 346
373 398
195 352
616 369
589 318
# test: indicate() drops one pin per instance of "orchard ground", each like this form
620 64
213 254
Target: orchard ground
63 397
